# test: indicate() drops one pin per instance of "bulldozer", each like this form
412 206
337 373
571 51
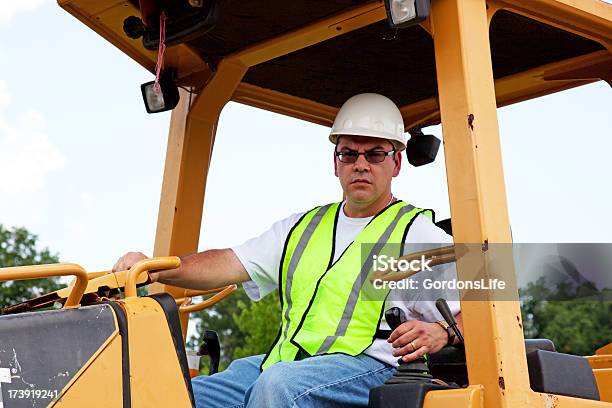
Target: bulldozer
448 62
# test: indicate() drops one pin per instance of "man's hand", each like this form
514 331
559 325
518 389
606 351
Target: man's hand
414 338
210 269
128 260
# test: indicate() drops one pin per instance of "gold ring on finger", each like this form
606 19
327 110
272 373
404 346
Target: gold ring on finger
413 346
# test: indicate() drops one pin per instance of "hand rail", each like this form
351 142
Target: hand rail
146 265
222 294
48 271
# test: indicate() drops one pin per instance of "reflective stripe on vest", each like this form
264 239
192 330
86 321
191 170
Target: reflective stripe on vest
323 309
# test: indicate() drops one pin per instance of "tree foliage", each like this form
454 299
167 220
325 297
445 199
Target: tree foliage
18 247
577 319
220 318
244 327
260 322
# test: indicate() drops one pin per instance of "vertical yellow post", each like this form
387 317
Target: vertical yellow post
190 144
495 349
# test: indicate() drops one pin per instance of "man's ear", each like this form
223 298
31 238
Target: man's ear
398 163
335 164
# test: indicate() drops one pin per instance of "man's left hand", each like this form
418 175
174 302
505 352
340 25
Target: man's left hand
414 338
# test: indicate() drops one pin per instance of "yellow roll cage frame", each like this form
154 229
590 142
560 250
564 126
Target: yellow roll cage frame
467 89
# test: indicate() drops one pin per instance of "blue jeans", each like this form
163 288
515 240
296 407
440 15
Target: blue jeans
333 380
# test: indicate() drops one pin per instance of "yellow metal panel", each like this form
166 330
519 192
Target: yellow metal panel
190 144
155 372
584 17
603 376
587 18
600 361
100 383
547 78
471 397
86 12
285 104
175 151
422 112
322 30
511 89
607 349
495 350
560 401
106 18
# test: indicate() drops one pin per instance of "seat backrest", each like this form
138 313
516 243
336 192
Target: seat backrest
449 363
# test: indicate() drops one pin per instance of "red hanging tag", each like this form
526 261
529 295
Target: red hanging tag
160 51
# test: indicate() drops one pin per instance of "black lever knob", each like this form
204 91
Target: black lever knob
394 317
445 311
211 348
414 371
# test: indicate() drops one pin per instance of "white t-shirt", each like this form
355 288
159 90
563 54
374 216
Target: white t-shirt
261 258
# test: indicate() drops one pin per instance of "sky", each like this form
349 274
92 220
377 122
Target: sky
81 162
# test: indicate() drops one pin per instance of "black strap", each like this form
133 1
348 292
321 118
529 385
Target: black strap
382 334
170 309
125 352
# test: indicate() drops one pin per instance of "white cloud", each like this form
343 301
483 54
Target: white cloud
10 8
5 98
88 200
27 156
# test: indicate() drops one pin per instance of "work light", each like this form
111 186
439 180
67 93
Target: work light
406 13
165 98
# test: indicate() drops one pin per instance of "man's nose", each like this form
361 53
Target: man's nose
361 164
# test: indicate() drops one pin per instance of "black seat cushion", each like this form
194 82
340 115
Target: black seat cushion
449 365
563 374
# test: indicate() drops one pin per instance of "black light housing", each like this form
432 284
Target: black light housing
421 149
406 13
167 98
185 22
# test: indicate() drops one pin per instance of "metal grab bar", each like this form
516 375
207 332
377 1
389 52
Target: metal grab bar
146 265
171 262
221 293
48 271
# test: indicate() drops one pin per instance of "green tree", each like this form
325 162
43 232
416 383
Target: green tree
18 247
244 327
577 320
259 321
220 318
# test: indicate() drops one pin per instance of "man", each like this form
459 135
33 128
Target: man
326 353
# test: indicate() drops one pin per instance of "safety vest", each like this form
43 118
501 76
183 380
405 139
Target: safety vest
323 309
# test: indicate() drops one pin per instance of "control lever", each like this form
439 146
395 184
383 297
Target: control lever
414 371
394 317
445 311
211 348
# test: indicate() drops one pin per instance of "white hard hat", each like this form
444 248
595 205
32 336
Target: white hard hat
372 115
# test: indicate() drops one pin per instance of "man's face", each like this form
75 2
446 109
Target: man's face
365 182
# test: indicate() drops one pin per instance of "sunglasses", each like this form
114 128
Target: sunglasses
374 156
